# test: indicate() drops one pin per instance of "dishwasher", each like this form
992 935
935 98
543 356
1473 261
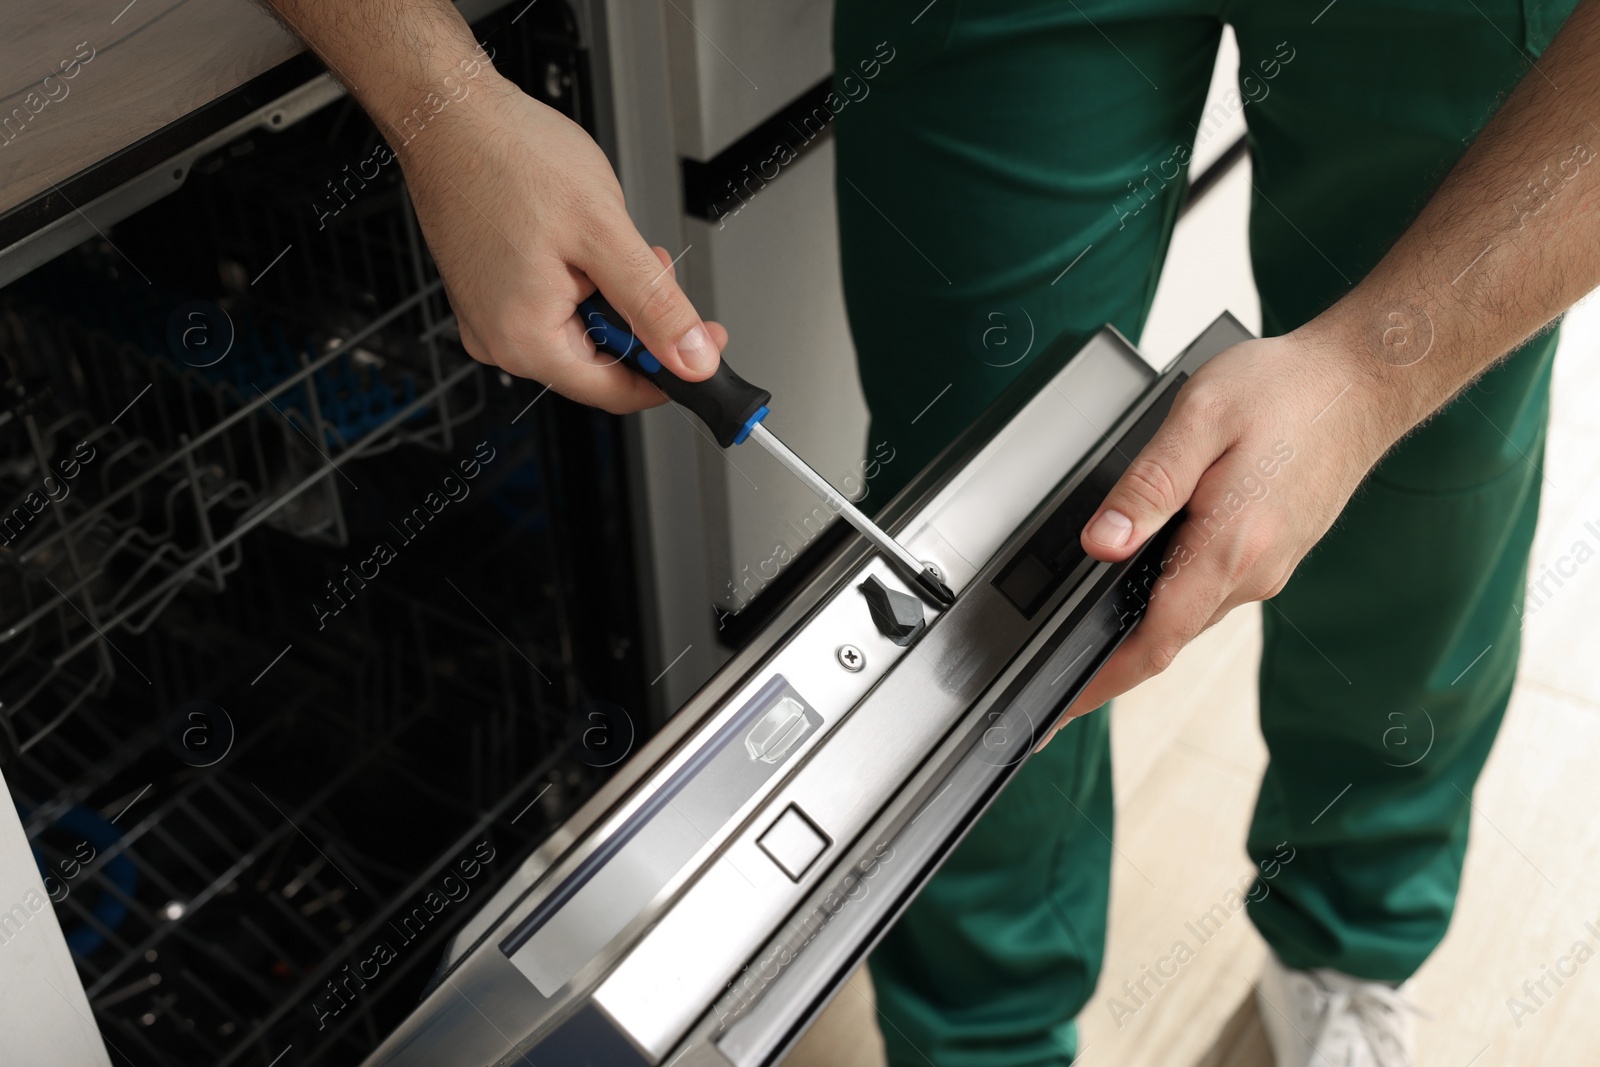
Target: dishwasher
708 901
305 616
322 705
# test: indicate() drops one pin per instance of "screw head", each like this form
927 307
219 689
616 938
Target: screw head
850 658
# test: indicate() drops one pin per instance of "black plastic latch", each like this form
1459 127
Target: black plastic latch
897 615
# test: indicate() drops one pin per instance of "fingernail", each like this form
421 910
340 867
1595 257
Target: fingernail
697 350
1111 529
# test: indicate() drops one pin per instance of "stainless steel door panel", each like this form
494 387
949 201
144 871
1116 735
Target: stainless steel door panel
661 988
614 884
844 915
664 983
833 775
1007 479
793 975
998 490
830 690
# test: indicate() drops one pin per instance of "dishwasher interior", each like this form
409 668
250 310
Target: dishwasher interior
311 628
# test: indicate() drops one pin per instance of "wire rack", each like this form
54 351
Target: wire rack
209 907
177 498
171 465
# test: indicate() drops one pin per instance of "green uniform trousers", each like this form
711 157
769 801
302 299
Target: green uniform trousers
1009 172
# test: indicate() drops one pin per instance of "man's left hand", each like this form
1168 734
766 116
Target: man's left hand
1263 447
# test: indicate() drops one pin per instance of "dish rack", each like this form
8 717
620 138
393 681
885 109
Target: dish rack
208 907
207 414
173 465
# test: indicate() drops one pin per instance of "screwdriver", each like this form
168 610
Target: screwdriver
733 410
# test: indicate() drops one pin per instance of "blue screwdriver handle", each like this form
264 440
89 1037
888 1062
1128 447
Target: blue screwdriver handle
728 405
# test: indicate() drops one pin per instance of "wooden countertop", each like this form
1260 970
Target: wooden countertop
80 80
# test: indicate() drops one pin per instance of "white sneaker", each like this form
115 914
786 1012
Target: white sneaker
1326 1019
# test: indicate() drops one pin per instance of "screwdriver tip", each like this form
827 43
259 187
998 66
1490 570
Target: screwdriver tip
935 588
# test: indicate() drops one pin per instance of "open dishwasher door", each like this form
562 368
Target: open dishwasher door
705 905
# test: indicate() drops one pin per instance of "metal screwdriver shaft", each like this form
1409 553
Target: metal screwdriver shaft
732 410
922 574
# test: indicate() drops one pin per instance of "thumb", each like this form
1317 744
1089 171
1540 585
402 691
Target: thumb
1156 485
647 295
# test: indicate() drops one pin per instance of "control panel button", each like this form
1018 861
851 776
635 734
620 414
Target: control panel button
793 842
897 615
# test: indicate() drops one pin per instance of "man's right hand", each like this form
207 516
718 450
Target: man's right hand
525 218
519 206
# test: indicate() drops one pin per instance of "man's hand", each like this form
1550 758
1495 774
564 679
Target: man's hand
525 218
519 206
1480 267
1263 448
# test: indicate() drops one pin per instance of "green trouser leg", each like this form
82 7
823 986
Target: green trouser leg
1009 177
1388 659
990 963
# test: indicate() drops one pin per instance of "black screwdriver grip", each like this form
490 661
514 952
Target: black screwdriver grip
728 405
725 402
